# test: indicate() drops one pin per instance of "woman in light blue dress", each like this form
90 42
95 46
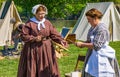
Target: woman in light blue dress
100 59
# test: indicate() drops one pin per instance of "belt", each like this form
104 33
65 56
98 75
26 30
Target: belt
45 38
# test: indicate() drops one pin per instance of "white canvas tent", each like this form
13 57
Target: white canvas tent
111 18
7 12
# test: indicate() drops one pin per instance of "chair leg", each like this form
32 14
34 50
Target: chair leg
80 58
76 66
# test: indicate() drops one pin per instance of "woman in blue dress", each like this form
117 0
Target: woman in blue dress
100 59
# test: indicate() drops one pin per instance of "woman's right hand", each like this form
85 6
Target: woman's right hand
79 44
64 43
38 39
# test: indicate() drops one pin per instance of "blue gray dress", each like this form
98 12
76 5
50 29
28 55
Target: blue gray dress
101 36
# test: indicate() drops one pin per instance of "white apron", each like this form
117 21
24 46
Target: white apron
98 64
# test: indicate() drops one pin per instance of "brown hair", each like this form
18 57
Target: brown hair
94 13
41 8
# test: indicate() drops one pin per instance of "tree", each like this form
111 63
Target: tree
1 1
56 8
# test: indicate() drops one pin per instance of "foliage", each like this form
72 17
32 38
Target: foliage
56 8
1 1
62 8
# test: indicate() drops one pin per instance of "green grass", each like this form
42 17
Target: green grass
8 67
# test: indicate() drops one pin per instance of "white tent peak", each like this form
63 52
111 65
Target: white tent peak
110 17
8 11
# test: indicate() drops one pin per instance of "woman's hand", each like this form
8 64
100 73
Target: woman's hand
79 44
64 43
38 39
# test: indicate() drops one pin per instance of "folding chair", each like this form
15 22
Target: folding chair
80 58
65 31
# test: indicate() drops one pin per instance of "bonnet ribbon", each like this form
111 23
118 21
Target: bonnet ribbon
40 23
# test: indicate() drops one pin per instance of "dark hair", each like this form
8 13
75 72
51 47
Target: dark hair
19 28
94 13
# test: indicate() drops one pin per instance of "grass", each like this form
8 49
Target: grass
8 67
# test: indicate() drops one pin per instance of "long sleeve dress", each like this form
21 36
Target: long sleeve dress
38 59
100 61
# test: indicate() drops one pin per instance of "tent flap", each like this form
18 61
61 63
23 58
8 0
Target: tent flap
8 12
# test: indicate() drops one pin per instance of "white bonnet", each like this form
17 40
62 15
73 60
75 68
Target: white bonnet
34 8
